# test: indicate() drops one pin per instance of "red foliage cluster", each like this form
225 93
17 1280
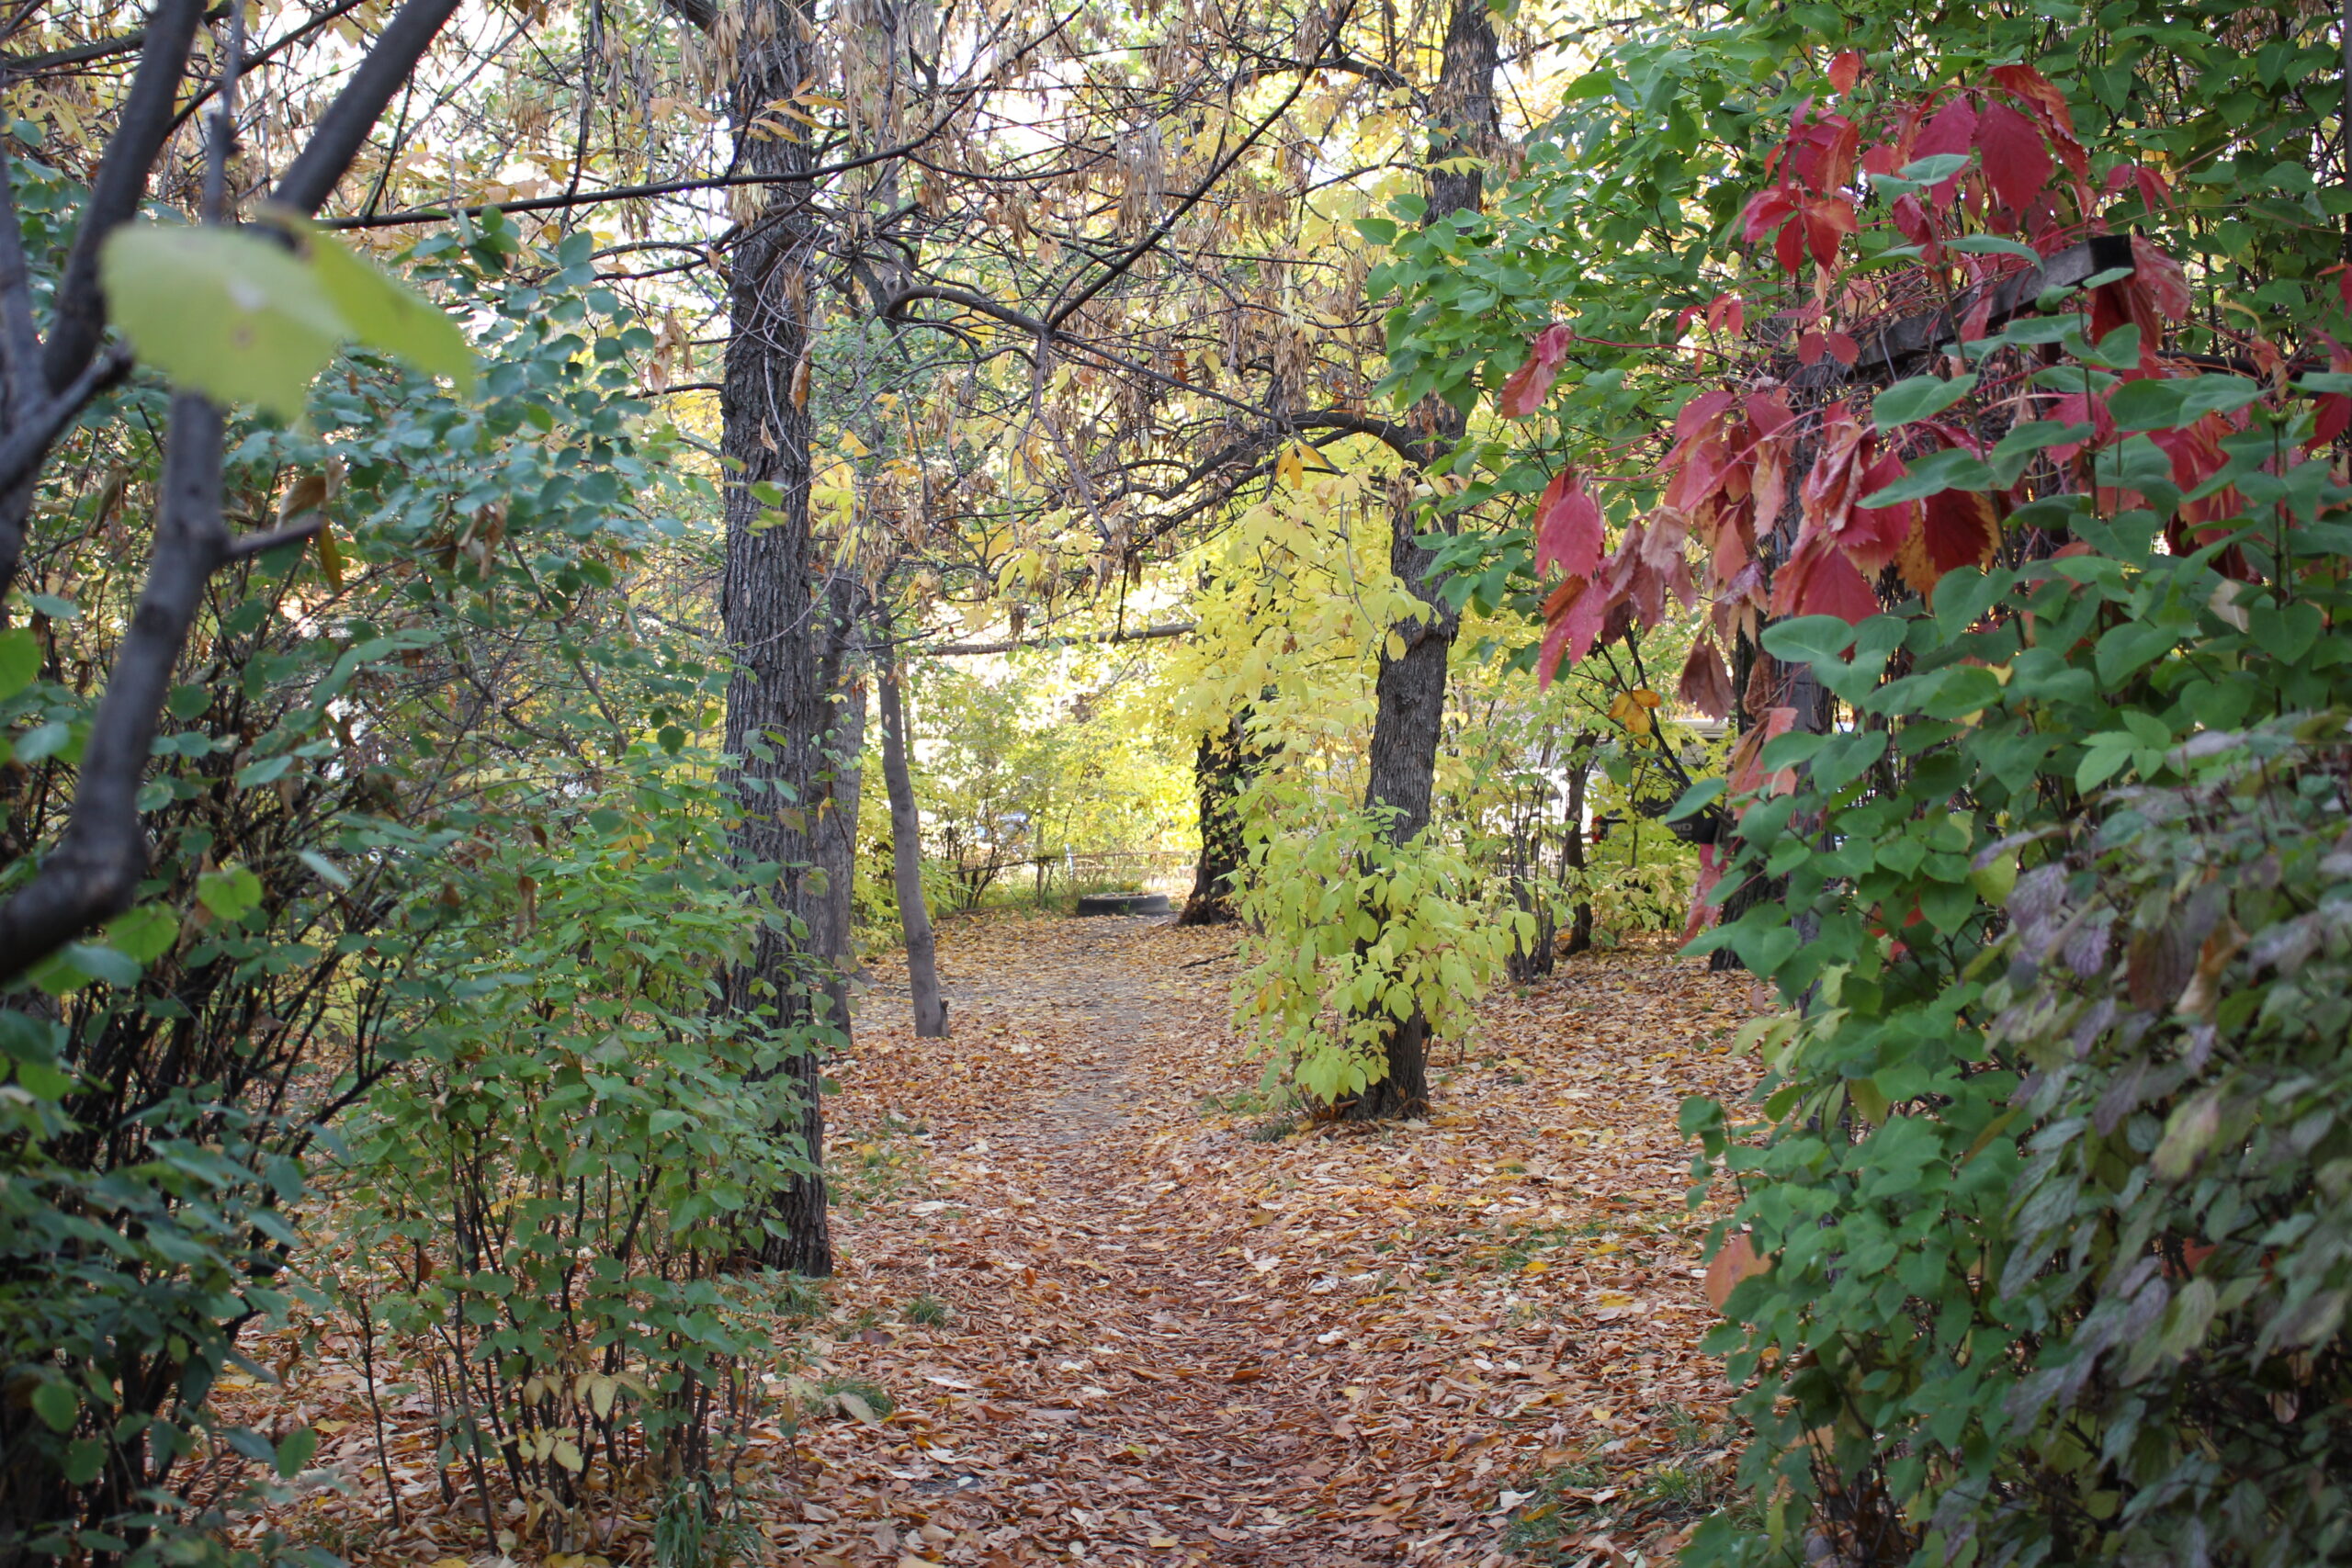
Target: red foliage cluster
1730 471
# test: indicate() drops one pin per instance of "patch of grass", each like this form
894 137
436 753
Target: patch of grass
1274 1129
875 1397
796 1298
876 1164
700 1524
927 1311
1689 1480
1254 1101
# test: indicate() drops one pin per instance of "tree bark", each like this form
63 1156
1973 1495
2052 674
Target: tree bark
1221 770
1573 856
906 855
780 697
1411 686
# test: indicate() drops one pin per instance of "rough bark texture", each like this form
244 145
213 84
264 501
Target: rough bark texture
779 703
1411 686
1221 770
906 859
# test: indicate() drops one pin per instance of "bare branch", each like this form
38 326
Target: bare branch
94 871
80 318
1138 634
344 128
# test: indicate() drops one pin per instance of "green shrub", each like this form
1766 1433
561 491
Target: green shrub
544 1202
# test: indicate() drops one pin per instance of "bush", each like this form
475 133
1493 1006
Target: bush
1347 931
543 1203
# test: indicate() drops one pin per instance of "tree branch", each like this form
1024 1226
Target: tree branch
1140 634
344 128
79 319
94 871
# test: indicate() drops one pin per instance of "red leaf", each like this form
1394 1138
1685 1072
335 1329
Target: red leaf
2335 418
1953 131
2025 83
1843 349
2016 161
1828 489
1528 386
2343 271
1811 346
1817 579
1873 535
1693 416
1767 210
1788 246
1747 758
1706 684
1727 314
1567 527
1846 70
1574 611
2161 278
1703 914
1958 530
1828 220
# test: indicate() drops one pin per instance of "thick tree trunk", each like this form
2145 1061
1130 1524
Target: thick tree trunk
906 856
780 699
1411 686
1221 770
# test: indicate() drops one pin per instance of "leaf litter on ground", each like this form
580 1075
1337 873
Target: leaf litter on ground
1102 1298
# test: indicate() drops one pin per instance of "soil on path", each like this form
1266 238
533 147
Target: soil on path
1176 1332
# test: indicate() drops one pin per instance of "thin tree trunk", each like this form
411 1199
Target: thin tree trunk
1221 770
1573 857
906 855
1412 685
779 700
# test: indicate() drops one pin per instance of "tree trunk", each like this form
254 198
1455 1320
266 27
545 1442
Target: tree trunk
780 697
1572 855
906 855
1411 686
1221 769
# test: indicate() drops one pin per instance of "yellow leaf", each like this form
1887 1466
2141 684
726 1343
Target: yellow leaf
1290 467
567 1454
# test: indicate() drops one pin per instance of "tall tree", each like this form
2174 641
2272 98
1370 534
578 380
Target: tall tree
781 712
1411 688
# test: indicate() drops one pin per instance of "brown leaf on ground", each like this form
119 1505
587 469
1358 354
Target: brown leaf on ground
1127 1303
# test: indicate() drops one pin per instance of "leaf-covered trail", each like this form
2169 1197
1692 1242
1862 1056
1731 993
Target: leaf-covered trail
1173 1336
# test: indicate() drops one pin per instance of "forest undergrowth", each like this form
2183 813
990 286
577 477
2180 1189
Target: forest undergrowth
1105 1299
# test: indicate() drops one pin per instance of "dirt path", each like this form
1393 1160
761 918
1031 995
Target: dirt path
1171 1336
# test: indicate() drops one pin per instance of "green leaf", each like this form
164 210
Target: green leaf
42 742
325 870
2123 648
1992 244
383 313
1806 638
1955 467
145 933
219 312
1919 398
57 1405
85 1457
294 1451
1695 799
19 660
44 1082
228 892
